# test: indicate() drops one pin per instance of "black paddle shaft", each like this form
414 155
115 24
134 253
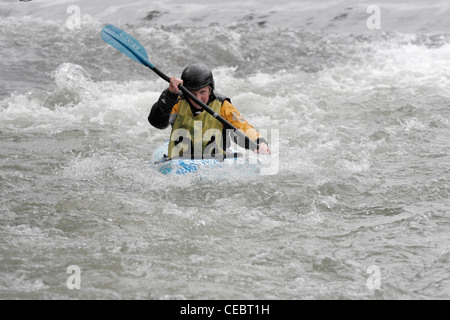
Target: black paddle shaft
248 142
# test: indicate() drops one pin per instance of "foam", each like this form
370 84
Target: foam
326 15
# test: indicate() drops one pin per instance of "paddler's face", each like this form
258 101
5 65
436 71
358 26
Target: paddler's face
202 95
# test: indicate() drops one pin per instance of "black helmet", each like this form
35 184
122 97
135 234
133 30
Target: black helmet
197 76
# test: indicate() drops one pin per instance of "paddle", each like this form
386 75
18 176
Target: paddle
126 44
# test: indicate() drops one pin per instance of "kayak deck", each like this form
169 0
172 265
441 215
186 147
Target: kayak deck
180 166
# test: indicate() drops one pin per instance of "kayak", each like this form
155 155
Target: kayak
129 46
235 163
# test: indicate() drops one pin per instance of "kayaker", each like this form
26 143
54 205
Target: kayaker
187 118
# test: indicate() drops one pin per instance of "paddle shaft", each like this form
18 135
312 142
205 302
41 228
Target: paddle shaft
217 116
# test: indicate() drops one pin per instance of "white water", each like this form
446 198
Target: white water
364 152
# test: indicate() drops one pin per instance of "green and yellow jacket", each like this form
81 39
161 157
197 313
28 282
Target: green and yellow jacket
195 131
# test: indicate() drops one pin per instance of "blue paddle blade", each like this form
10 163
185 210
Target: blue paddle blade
126 44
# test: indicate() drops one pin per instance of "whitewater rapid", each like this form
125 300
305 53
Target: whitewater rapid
358 209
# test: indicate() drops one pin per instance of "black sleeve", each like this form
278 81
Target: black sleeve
160 113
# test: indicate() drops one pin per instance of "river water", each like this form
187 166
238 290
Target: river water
358 207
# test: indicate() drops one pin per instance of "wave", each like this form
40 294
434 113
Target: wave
406 16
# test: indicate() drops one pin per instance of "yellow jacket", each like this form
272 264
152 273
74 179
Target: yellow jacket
232 115
166 110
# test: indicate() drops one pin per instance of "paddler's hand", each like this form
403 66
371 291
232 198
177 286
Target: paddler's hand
173 86
263 149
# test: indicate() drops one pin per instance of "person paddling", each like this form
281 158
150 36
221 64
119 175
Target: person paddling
194 131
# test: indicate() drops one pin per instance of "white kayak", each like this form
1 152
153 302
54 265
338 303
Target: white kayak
234 164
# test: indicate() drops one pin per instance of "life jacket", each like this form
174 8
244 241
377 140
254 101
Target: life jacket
196 136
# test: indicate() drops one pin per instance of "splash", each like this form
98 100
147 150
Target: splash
72 84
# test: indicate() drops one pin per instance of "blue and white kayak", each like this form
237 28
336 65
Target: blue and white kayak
167 166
